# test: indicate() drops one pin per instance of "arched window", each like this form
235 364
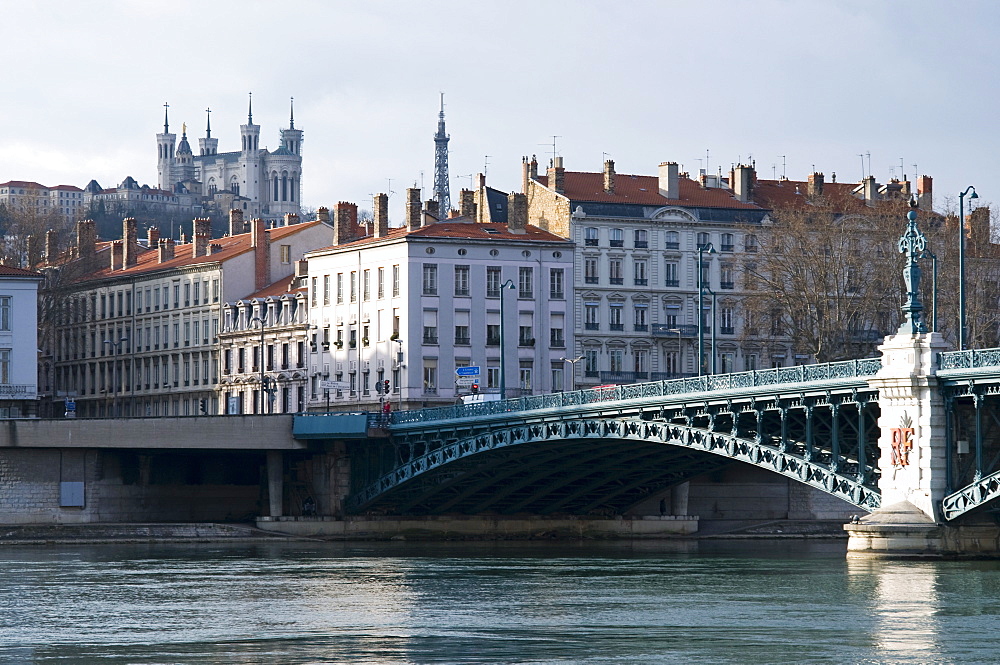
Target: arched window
291 188
244 143
284 186
275 188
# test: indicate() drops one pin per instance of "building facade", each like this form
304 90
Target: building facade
66 202
136 328
18 342
405 307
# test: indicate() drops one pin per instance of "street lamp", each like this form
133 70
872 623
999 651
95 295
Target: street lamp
399 364
261 359
706 247
116 348
572 365
934 290
679 357
509 284
961 263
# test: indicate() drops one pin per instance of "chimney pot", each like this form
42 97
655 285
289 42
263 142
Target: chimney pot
413 216
669 180
609 176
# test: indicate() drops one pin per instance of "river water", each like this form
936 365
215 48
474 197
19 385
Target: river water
647 602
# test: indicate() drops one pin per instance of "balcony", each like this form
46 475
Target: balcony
616 280
616 326
727 330
557 295
590 280
589 326
641 327
526 341
727 285
492 341
639 281
617 243
590 242
665 330
726 248
463 341
751 249
672 282
623 377
428 339
671 245
642 244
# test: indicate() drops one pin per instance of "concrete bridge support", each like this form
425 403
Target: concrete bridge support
913 449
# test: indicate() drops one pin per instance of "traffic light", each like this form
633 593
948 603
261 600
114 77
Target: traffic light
385 386
475 388
204 407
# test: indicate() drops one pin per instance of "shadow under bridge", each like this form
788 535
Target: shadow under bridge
603 451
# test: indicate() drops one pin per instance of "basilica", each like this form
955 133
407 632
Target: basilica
263 183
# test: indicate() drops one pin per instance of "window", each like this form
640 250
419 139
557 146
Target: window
590 270
366 285
556 291
430 279
556 339
750 362
640 361
492 334
326 289
750 276
670 273
726 362
641 238
590 237
524 376
395 281
590 358
492 377
726 320
703 240
726 279
671 240
286 253
726 242
615 271
617 237
354 286
430 376
750 244
615 318
525 336
639 268
616 360
704 274
5 314
462 335
777 325
5 366
525 282
430 335
493 281
641 317
592 316
381 283
461 280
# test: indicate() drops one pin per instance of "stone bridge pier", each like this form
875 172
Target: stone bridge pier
913 462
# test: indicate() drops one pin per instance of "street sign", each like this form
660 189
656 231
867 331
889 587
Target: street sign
333 385
70 405
465 380
467 371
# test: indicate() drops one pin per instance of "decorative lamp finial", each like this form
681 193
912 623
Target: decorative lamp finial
912 243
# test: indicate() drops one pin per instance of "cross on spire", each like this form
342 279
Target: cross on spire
166 123
208 124
250 109
291 118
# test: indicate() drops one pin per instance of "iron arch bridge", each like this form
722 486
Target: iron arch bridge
602 451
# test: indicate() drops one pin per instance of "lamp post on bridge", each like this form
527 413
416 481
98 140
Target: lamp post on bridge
961 263
116 349
261 359
572 368
706 247
509 284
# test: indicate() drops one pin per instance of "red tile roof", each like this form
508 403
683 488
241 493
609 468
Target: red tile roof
792 193
231 246
22 183
453 228
67 188
279 288
645 190
11 271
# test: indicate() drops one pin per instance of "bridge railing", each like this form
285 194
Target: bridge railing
969 359
847 369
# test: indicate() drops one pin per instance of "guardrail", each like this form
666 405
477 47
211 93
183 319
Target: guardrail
969 359
848 369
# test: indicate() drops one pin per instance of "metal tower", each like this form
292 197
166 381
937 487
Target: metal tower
442 191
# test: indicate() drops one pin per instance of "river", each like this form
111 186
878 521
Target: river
387 603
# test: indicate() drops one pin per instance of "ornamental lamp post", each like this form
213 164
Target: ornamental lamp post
572 368
116 349
961 263
509 284
707 247
261 359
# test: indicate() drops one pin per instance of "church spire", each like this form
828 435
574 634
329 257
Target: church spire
166 122
291 118
250 110
208 123
442 190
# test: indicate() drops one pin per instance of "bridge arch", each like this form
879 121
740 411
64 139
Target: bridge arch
566 457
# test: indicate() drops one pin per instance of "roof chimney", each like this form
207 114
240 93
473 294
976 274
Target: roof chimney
164 250
870 190
152 236
529 171
323 215
236 224
468 203
432 212
380 215
291 219
117 254
413 216
345 222
517 212
669 180
925 197
86 238
815 185
202 237
609 176
130 240
50 246
742 182
261 254
557 176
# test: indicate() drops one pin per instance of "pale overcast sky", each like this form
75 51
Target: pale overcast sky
807 84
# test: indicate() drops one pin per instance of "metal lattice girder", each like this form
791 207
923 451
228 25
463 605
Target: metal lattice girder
971 497
823 476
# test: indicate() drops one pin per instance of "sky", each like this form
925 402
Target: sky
791 85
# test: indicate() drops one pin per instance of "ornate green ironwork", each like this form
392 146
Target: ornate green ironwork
973 496
912 243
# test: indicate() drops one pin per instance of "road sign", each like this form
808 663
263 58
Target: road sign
70 405
333 385
465 380
467 371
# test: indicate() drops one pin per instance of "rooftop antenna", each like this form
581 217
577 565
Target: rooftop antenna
470 176
706 160
915 172
389 186
869 155
421 179
901 167
553 145
862 156
783 167
774 171
486 165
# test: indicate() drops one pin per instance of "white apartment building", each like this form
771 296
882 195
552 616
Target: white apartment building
409 305
64 201
136 331
18 342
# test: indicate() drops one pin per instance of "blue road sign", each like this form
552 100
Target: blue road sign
467 371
